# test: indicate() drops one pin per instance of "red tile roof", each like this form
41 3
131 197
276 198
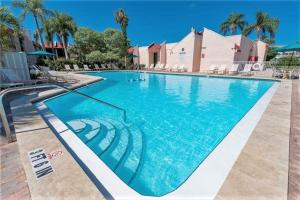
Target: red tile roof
154 48
130 50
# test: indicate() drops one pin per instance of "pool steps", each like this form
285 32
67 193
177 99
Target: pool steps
118 144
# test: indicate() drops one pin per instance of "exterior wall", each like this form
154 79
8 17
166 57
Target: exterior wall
183 52
246 47
14 66
216 50
144 55
163 53
136 53
261 51
197 52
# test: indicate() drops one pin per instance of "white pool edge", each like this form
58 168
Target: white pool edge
206 180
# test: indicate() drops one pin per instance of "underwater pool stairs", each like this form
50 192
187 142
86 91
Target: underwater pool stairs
120 145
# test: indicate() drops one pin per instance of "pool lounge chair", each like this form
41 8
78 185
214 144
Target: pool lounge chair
86 68
247 70
167 67
67 68
76 68
212 69
151 67
114 66
96 67
108 66
161 67
234 69
174 68
103 66
182 68
222 70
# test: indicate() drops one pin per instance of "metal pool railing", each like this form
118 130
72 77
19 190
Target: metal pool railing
99 101
6 96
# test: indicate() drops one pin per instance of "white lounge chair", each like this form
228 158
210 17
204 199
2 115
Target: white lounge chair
151 66
222 69
97 67
68 68
86 68
108 66
174 68
114 66
167 67
162 66
247 70
103 66
234 69
212 69
75 66
182 68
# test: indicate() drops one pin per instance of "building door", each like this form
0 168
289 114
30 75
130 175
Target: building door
155 59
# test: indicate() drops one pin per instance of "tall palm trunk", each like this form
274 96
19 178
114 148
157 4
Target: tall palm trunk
39 32
64 45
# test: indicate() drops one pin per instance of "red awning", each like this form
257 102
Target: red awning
154 48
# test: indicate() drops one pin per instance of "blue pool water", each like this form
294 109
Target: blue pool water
173 123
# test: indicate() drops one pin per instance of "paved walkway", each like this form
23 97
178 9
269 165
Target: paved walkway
261 171
13 178
294 165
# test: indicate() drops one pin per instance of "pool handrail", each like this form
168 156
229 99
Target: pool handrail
97 100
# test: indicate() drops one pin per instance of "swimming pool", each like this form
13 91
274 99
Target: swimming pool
173 123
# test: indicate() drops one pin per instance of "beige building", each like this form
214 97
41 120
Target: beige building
197 51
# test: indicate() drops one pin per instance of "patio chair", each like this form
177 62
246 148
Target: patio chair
103 66
161 67
151 67
247 70
108 66
68 68
76 68
114 66
212 69
182 68
174 68
222 69
234 69
167 67
97 67
277 73
86 68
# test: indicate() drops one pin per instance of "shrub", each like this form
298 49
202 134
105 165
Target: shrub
288 62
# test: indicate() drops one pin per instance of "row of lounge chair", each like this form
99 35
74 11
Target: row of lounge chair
166 67
110 66
233 70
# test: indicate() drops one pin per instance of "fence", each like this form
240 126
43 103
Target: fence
14 65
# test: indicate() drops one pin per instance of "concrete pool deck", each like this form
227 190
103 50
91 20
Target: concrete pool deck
261 171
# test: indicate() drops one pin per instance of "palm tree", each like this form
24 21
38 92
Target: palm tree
122 19
264 24
64 27
49 30
37 9
233 23
7 21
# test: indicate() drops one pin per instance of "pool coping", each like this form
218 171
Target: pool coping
204 182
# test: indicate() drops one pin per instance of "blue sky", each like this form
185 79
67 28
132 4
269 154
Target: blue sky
159 21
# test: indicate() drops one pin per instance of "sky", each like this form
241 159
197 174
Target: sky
170 21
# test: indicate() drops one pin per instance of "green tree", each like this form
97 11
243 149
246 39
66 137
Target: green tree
122 19
7 21
87 40
271 53
95 57
113 41
38 11
234 22
264 24
49 30
64 27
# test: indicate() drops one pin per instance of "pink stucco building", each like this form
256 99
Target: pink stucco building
197 51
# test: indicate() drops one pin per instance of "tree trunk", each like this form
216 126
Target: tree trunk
64 45
39 32
52 49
